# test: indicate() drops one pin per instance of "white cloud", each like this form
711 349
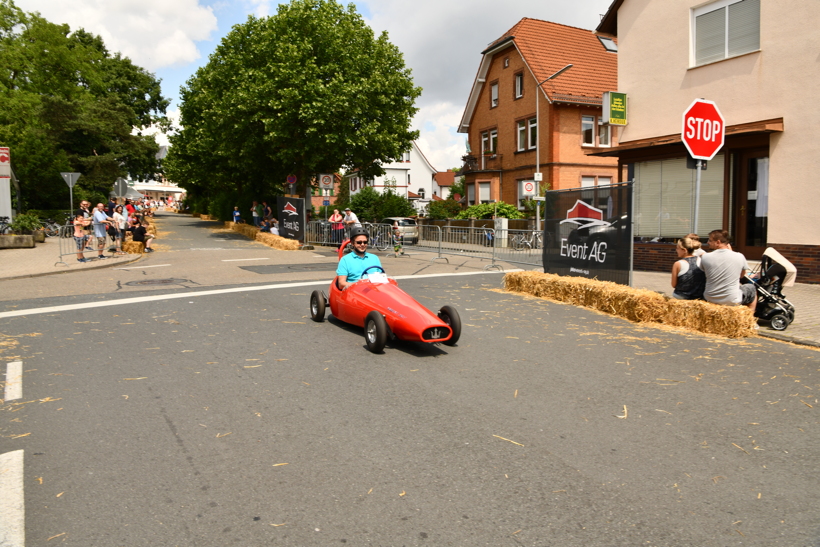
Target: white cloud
152 33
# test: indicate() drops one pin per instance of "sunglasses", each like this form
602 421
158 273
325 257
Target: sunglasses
360 243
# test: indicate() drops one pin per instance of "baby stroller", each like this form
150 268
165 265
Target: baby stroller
774 273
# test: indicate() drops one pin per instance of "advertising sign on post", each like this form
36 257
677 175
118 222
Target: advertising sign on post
291 217
588 233
5 182
614 108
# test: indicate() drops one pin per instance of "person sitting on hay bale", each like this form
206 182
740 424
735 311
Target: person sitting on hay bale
688 278
724 269
138 233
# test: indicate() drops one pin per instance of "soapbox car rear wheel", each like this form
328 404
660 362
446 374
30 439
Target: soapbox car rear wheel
449 315
779 322
375 331
317 306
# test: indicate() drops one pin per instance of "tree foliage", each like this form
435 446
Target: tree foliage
309 90
70 105
444 209
371 206
487 210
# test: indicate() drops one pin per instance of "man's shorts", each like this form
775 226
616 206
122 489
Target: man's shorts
748 293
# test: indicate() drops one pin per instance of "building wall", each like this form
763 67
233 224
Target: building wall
562 159
778 81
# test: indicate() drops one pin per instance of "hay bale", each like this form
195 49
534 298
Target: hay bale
196 215
278 242
204 217
637 305
247 230
133 247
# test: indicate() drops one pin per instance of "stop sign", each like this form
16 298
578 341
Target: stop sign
703 129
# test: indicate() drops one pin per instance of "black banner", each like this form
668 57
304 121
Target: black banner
588 232
291 217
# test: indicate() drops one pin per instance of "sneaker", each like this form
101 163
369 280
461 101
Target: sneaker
149 250
82 260
102 257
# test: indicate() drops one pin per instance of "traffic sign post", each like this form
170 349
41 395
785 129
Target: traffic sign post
70 179
703 134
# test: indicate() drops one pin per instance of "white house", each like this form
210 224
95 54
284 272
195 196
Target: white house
411 177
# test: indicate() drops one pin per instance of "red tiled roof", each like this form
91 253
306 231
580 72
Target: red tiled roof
437 198
445 178
548 47
412 195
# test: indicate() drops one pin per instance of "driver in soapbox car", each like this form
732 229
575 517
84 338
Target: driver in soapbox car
363 296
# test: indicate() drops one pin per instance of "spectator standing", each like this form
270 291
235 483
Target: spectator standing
86 213
688 278
397 240
237 218
110 208
101 223
120 222
351 220
267 212
80 224
337 227
724 268
257 211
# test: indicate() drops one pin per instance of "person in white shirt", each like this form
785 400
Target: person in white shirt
351 220
724 268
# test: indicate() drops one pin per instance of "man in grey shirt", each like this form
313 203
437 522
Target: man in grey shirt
724 268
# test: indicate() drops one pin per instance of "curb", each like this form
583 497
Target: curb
85 269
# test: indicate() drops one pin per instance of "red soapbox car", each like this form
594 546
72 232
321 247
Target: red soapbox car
384 310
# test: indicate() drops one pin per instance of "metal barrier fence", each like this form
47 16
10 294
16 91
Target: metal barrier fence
69 245
510 246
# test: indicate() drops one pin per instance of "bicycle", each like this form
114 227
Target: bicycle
520 241
378 239
51 228
4 225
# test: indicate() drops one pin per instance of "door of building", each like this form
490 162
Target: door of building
750 205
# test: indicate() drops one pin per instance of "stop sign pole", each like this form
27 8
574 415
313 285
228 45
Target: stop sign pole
703 134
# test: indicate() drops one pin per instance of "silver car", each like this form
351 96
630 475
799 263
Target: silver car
407 226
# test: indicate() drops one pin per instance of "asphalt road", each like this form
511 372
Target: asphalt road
229 418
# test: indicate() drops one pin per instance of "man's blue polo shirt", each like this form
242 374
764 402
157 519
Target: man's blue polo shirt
352 265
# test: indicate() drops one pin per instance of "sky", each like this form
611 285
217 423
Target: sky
441 40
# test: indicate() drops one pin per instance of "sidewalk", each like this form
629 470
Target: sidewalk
44 259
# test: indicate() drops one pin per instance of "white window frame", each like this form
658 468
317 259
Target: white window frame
727 28
533 133
597 128
494 95
519 85
521 135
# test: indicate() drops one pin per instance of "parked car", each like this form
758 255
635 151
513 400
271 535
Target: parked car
407 226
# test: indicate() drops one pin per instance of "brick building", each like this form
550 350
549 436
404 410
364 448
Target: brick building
502 117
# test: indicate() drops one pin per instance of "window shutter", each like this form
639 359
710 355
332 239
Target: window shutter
710 36
744 27
484 191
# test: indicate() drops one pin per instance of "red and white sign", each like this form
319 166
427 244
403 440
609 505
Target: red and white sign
5 163
703 129
326 182
528 188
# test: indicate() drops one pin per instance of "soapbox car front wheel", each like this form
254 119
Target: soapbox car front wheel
375 331
450 316
779 322
317 306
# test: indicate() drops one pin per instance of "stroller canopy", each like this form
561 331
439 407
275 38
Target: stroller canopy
791 271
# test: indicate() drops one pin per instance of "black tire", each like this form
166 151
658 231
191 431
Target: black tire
449 315
317 306
375 331
779 322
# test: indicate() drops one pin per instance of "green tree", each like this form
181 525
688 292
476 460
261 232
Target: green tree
308 90
440 210
487 210
69 105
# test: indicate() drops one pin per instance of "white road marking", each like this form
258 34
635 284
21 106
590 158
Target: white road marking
143 267
12 500
174 296
14 384
242 259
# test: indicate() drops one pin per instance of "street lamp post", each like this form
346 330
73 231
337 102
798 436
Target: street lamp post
538 176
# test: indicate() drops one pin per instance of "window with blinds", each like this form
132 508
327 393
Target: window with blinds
725 29
665 198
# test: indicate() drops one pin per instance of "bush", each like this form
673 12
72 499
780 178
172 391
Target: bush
487 210
441 210
25 223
